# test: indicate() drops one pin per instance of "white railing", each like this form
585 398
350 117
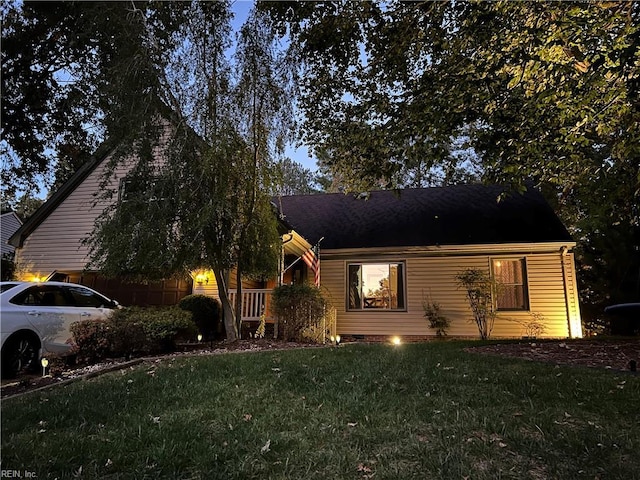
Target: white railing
255 302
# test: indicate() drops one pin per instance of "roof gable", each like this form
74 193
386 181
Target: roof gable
453 215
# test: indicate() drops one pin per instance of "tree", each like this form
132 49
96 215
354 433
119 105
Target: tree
398 92
71 74
479 286
197 194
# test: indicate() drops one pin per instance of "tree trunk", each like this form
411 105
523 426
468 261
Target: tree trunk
227 309
239 301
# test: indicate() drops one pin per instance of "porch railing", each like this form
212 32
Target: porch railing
255 302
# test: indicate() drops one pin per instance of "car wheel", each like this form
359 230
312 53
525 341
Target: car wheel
20 355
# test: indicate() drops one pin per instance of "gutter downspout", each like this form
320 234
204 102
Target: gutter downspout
563 253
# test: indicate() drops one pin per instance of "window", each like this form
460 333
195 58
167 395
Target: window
41 296
374 286
83 297
510 276
140 189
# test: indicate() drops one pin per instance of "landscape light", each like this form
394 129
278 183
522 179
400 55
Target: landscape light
199 337
396 340
45 363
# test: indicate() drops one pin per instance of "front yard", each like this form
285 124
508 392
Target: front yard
357 411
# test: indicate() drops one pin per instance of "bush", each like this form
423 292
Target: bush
206 314
479 286
436 320
132 331
300 310
92 339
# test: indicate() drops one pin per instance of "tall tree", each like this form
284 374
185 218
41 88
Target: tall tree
71 74
197 195
534 90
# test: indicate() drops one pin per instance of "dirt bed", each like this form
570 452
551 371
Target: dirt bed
606 354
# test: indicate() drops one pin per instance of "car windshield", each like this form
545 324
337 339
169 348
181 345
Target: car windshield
6 286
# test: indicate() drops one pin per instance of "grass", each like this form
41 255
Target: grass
357 411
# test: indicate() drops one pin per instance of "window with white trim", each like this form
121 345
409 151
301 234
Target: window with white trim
376 286
510 276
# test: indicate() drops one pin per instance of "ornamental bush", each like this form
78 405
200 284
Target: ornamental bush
436 319
132 331
206 314
300 310
92 339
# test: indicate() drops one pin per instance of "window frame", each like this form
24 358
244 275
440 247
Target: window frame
403 278
522 260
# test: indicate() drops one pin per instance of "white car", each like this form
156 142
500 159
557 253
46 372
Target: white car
35 320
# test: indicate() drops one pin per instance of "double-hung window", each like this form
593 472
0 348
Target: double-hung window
378 286
510 276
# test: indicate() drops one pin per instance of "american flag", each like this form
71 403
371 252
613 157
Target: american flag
312 259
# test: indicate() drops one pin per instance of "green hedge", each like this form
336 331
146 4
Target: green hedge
300 310
132 331
206 314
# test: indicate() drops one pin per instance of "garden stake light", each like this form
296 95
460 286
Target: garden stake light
45 363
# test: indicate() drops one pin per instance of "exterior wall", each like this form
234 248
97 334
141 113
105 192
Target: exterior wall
56 244
432 276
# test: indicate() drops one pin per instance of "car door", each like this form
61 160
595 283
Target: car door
90 305
49 310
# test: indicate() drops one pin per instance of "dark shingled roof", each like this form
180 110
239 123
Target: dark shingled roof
454 215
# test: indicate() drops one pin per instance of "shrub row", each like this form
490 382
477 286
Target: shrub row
132 331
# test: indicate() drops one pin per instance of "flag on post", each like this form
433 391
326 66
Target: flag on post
312 258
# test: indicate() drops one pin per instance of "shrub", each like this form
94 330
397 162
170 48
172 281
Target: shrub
300 310
479 286
206 314
92 339
132 331
436 320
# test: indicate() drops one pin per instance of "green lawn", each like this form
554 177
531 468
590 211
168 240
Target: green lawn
357 411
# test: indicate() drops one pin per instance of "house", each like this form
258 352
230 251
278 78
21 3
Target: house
9 223
381 255
49 245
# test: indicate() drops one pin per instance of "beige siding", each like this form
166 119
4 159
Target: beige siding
56 244
433 277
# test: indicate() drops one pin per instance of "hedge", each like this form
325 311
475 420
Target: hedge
132 331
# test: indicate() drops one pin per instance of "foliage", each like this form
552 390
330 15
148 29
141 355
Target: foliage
294 179
132 331
478 286
92 339
436 319
299 308
262 326
405 93
206 313
8 267
24 205
534 326
206 203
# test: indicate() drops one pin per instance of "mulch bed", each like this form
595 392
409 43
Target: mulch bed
609 354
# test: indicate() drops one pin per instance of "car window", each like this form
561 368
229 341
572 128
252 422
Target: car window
41 296
6 286
83 297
